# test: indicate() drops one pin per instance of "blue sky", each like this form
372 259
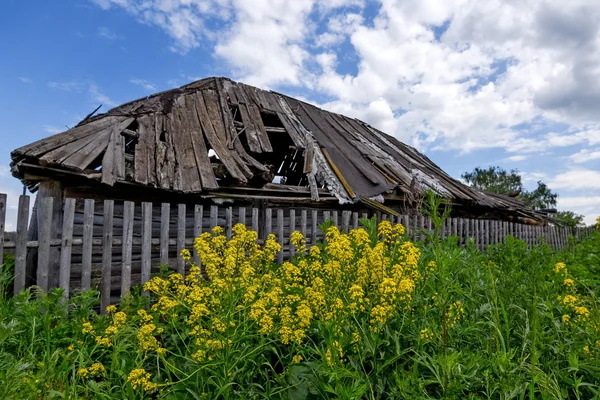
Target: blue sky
469 83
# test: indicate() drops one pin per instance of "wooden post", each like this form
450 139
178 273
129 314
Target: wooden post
64 276
198 217
326 215
280 234
303 223
165 219
335 218
146 242
181 212
355 220
44 236
346 220
255 219
228 222
268 222
292 230
242 215
314 227
214 215
54 190
21 244
88 237
107 240
126 257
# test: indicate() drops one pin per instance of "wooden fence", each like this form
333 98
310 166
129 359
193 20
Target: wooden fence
111 246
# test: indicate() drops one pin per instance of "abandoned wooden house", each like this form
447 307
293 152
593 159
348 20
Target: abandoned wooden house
216 141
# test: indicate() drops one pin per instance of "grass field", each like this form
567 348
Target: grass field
364 315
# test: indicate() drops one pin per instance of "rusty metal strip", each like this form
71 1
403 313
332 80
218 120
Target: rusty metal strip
338 173
378 206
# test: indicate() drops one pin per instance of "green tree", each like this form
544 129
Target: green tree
494 179
570 219
540 198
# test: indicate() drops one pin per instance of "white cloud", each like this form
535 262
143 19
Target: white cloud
25 79
585 155
521 76
91 89
149 86
584 179
516 158
96 95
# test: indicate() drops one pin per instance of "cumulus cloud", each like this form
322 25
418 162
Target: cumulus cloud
25 79
585 179
585 155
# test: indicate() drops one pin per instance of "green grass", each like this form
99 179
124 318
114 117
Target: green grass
510 343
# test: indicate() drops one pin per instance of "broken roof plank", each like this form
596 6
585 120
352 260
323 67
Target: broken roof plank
249 129
220 149
41 147
205 171
90 152
190 177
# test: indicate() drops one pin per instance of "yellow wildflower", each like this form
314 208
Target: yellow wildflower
97 369
83 372
111 309
87 328
296 359
139 378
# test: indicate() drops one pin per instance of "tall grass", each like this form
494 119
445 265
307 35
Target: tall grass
512 322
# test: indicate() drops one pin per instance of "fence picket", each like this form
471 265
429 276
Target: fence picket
355 220
303 218
21 244
228 222
181 213
313 227
44 217
165 218
64 274
268 222
242 215
280 237
198 216
128 214
107 236
214 214
146 241
292 230
346 220
88 235
255 219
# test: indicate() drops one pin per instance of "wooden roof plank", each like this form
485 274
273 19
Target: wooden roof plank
190 178
249 129
140 166
222 151
87 154
41 147
163 155
215 111
205 171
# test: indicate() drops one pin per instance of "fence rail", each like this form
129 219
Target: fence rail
110 246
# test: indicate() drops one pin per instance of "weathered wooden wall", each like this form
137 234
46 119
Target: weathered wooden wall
110 246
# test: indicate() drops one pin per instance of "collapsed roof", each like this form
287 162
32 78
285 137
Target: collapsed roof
216 133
